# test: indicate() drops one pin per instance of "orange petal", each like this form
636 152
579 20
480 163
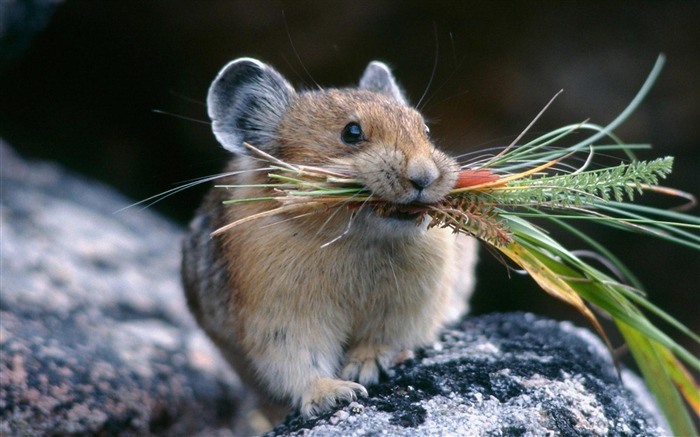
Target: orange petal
469 178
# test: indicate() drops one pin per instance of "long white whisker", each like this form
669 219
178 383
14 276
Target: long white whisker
150 201
432 73
298 216
347 230
181 117
352 216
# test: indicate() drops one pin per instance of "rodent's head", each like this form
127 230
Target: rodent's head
369 131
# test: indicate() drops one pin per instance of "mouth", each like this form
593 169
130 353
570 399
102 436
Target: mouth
404 213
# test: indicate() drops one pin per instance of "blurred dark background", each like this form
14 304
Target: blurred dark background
83 91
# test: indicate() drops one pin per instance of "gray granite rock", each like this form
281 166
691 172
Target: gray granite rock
95 337
498 375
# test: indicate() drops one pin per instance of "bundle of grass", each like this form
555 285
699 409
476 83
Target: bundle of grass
498 196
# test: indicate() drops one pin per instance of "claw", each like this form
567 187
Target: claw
327 393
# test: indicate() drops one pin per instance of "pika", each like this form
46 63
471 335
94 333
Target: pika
308 324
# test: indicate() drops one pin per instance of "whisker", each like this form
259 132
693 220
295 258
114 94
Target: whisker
432 73
289 219
296 52
347 230
181 117
150 201
187 98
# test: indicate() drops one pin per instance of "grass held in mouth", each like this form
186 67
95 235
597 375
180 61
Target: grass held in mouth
552 181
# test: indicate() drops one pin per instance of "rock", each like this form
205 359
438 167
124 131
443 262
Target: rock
498 375
95 337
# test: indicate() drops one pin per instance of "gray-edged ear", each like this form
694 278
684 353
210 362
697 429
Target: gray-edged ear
378 78
245 103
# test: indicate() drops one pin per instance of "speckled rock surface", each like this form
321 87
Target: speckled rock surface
95 338
498 375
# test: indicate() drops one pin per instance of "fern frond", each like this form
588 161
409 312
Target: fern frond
582 189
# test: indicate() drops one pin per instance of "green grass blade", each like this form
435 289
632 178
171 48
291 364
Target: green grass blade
597 247
592 285
650 357
628 293
631 107
248 199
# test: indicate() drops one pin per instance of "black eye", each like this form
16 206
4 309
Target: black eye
426 129
352 133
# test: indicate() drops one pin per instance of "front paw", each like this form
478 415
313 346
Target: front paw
326 393
366 363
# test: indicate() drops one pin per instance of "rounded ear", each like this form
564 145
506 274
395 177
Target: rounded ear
245 103
378 78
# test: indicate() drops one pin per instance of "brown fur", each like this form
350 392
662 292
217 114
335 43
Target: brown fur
304 307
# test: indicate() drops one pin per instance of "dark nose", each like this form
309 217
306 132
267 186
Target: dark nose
421 173
424 181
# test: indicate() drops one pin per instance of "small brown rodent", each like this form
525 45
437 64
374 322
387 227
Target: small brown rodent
305 323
